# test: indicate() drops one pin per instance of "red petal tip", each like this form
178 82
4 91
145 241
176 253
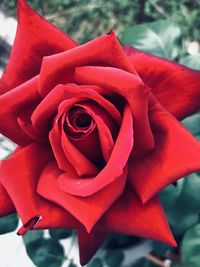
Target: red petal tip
30 225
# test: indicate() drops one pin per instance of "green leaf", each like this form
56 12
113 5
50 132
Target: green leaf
191 61
114 258
120 241
32 236
159 249
8 223
181 203
71 264
143 262
191 247
192 123
60 233
96 262
43 251
160 38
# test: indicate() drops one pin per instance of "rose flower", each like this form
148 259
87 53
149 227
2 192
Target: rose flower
94 144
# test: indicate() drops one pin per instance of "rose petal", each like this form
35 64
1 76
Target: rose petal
19 175
87 210
176 154
83 166
85 140
132 89
49 106
56 145
175 86
130 217
90 147
104 50
107 128
65 151
35 38
89 244
6 204
14 104
113 169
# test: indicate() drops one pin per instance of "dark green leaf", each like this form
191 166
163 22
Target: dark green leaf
143 262
182 203
160 38
159 249
60 233
120 241
43 252
114 258
96 262
191 247
71 264
192 123
32 236
8 223
191 61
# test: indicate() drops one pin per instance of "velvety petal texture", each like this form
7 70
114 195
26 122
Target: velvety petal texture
13 105
19 175
6 204
129 216
176 154
175 86
87 210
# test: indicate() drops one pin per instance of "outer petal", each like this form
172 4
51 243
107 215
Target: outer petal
6 204
104 50
19 175
132 89
87 210
35 38
89 244
176 154
14 104
175 86
129 216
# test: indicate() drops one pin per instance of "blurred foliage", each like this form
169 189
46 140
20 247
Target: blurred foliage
161 38
43 251
86 19
8 223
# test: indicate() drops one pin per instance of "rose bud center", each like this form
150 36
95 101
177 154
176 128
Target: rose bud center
79 123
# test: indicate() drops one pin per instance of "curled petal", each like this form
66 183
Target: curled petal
130 217
49 106
87 210
107 127
176 154
66 152
113 169
83 166
14 104
175 86
19 174
104 50
35 38
132 89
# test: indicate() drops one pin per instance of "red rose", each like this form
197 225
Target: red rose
95 146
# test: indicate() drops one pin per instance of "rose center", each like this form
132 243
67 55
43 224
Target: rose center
79 122
83 121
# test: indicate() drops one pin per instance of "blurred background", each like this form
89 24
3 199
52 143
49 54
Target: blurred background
169 29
